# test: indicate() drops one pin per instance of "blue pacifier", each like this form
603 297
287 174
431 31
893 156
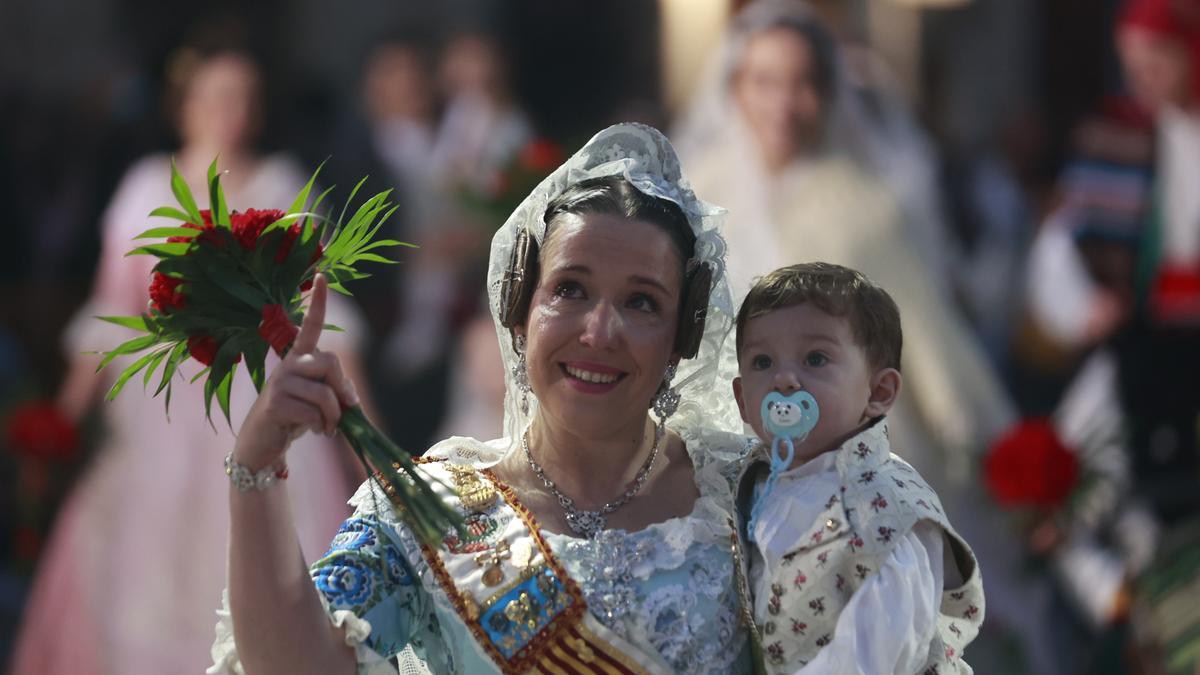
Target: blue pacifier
789 419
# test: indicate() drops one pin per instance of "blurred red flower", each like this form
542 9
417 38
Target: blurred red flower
1175 296
165 294
249 225
277 329
38 430
1030 466
541 156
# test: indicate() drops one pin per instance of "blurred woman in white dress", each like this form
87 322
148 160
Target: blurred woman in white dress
136 562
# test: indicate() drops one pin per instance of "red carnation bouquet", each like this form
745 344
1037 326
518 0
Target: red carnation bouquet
228 286
505 189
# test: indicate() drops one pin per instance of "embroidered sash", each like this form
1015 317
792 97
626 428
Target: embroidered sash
516 598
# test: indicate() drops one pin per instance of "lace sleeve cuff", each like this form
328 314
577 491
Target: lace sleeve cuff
356 629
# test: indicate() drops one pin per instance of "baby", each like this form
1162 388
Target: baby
854 567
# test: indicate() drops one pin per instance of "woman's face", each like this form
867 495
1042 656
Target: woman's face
1158 69
220 104
776 89
602 321
397 85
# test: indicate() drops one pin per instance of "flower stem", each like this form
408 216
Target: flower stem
426 514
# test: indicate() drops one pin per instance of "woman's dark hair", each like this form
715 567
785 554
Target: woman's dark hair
615 196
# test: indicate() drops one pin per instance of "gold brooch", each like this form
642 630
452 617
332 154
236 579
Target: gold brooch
493 575
475 493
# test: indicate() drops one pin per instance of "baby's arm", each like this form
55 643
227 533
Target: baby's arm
887 626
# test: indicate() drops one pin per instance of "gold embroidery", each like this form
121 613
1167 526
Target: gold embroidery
474 493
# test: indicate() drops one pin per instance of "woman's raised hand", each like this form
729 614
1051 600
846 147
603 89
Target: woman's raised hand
307 391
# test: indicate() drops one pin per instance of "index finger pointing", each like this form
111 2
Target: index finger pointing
314 319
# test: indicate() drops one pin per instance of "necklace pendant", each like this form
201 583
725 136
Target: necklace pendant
586 524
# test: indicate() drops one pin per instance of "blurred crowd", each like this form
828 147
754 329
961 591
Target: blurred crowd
1020 174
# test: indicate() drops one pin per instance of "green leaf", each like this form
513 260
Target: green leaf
317 204
255 353
170 212
134 322
200 374
154 363
289 219
221 376
302 196
167 403
334 328
387 242
162 250
216 197
135 345
178 354
233 285
164 232
372 257
128 373
342 216
223 393
184 195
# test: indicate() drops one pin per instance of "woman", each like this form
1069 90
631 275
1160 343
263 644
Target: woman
597 535
779 152
137 555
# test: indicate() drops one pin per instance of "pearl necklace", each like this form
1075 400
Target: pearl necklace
589 524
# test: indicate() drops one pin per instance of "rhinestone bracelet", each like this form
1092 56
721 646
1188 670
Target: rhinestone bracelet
246 480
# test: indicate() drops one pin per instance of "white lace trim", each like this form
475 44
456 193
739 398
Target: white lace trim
356 629
714 455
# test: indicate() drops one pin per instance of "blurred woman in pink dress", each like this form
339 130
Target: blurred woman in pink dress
135 566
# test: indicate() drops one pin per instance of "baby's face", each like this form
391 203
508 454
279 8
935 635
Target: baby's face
803 348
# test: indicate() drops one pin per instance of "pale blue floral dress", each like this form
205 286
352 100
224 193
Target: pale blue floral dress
669 590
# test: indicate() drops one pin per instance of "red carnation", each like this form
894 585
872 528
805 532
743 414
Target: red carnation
277 329
1030 466
165 294
40 431
249 225
541 156
203 348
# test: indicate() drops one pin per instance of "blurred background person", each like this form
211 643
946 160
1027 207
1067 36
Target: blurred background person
130 574
1119 286
480 131
768 141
